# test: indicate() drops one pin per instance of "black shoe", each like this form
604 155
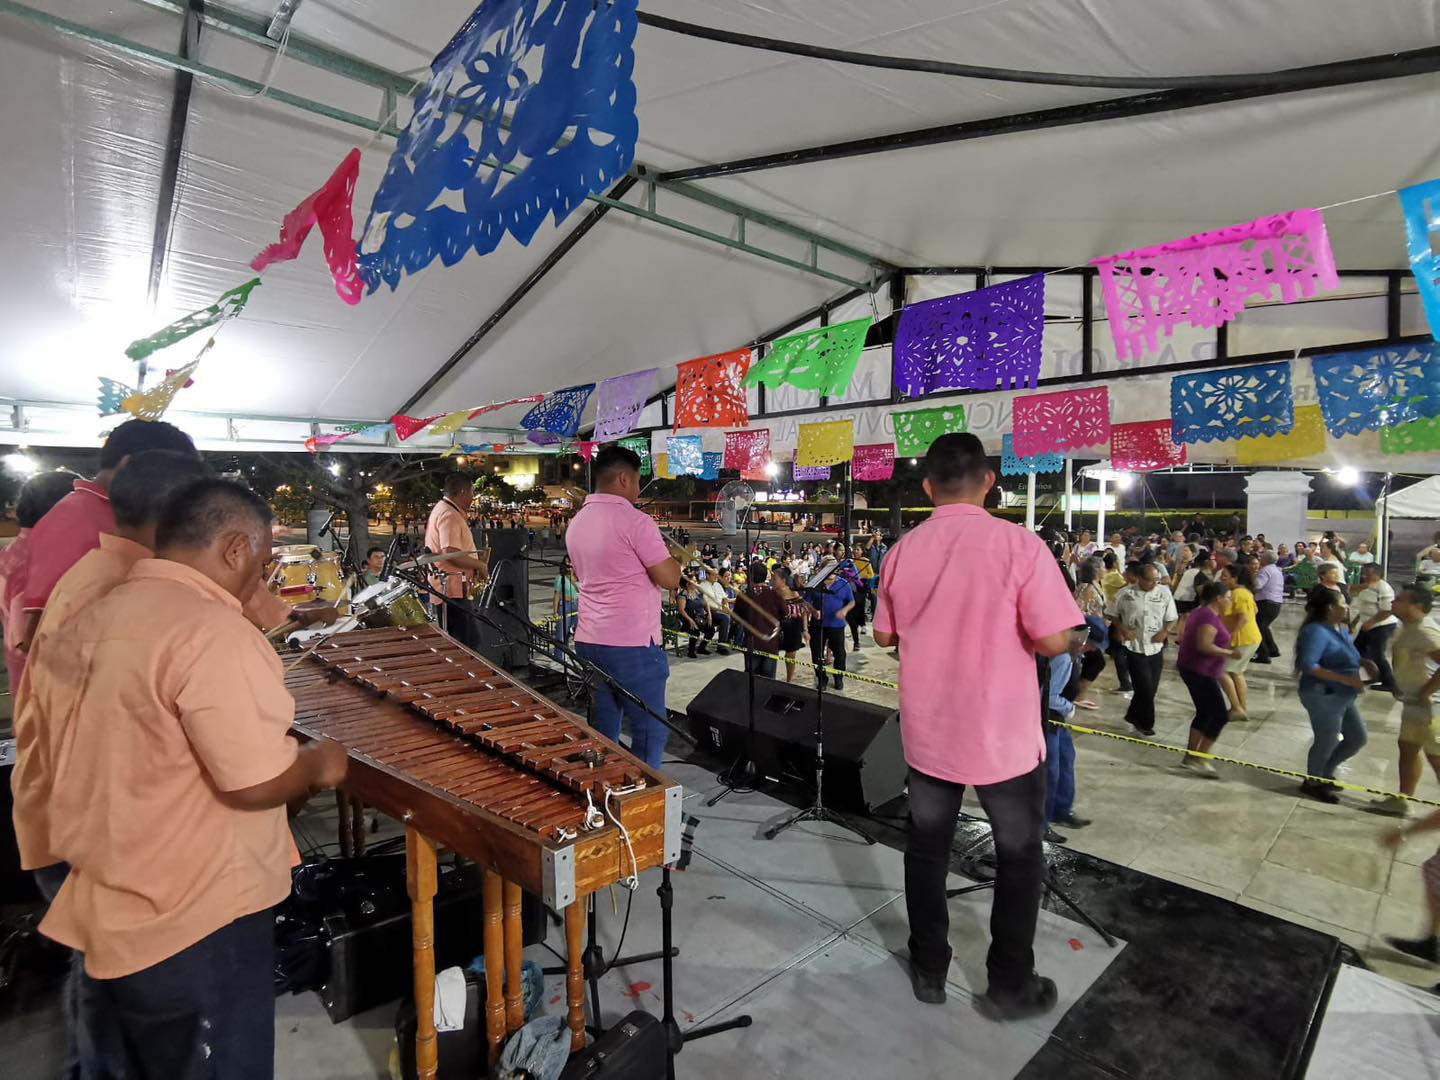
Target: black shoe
1260 660
1382 686
1073 821
1426 948
1320 791
1146 732
721 650
928 988
1035 999
1053 837
704 650
691 653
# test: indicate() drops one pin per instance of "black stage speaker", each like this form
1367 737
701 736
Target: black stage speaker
634 1049
510 592
345 929
864 763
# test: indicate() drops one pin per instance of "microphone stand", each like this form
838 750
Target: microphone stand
592 960
817 810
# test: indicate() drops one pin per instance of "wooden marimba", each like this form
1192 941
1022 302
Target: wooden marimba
471 759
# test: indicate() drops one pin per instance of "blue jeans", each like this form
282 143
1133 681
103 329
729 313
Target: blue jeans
642 670
95 1048
1060 773
205 1013
1339 729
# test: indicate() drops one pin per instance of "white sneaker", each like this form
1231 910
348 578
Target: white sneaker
1200 767
1392 805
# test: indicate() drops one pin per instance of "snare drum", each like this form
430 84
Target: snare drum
302 573
390 603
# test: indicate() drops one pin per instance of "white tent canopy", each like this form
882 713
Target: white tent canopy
85 161
1419 500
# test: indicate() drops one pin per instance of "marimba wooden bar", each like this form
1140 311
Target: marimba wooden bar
470 759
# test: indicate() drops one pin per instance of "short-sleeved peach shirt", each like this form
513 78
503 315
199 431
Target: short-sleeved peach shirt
155 698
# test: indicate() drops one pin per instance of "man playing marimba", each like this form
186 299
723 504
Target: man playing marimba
169 721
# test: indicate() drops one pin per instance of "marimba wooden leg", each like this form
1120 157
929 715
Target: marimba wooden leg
357 825
420 877
514 949
346 838
574 972
494 965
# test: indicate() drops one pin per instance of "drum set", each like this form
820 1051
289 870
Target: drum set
303 576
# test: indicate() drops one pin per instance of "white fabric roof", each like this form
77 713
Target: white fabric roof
1419 500
84 143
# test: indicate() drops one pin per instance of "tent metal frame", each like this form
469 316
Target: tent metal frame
748 222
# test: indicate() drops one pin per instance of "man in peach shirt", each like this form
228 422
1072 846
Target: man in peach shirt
448 532
169 720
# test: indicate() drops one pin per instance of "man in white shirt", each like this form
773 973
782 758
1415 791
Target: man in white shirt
1144 616
1374 623
719 604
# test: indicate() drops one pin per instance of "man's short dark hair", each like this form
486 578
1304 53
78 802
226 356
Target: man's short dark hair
1419 595
203 510
611 460
40 494
457 482
373 550
142 488
1372 568
956 462
135 436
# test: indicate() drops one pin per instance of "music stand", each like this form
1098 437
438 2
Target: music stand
969 862
817 810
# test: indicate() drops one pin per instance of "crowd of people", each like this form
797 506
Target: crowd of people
1215 596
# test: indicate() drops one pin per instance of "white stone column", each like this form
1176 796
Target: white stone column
1278 506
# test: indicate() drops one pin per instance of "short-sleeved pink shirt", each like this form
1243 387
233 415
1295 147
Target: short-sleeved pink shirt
611 545
71 528
968 594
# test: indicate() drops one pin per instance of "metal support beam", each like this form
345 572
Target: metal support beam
1320 76
251 29
573 237
170 167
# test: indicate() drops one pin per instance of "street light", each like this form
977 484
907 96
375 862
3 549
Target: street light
1347 475
772 470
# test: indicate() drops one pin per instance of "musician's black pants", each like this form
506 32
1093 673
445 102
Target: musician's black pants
206 1013
1016 809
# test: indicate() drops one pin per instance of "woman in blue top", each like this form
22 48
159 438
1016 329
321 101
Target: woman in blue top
1329 667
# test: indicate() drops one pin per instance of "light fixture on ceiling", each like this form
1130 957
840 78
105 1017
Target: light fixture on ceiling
771 469
1347 475
21 465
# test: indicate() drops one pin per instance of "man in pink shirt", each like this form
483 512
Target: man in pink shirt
622 565
971 601
37 498
74 526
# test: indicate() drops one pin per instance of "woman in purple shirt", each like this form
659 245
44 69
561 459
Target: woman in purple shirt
1204 648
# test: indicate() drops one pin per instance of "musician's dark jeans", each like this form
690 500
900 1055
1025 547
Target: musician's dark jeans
1016 809
643 670
206 1012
